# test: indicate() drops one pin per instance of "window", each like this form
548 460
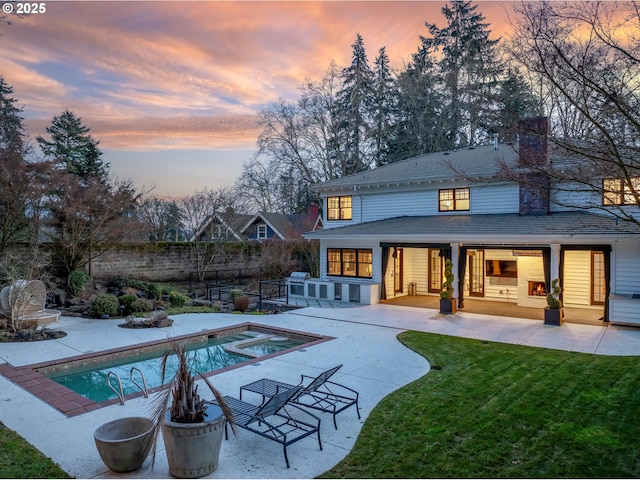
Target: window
598 284
349 262
339 208
435 270
452 199
619 191
262 232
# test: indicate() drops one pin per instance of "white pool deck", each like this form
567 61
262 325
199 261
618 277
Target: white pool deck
374 363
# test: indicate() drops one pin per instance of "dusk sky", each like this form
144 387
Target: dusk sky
172 89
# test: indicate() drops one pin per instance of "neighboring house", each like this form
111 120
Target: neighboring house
261 226
388 230
264 225
224 228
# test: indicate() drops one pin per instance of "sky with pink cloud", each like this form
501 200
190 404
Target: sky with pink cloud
172 89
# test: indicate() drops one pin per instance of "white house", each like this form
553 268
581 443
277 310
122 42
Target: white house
387 230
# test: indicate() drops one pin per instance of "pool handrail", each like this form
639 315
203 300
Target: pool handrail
120 393
144 381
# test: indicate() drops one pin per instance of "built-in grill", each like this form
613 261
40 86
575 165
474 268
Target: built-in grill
299 277
296 282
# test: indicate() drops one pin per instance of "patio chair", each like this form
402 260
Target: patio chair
318 393
274 420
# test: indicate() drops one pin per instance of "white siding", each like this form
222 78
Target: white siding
484 200
626 265
577 278
563 200
625 272
495 199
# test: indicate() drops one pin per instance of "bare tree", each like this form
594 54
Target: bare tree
86 218
586 55
200 213
162 217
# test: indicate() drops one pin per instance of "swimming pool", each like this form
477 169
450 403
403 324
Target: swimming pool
133 372
35 378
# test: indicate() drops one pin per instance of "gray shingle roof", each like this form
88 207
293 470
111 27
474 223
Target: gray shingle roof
473 162
496 226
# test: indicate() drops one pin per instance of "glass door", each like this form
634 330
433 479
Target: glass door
397 270
476 273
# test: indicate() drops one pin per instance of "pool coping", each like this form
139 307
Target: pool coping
71 403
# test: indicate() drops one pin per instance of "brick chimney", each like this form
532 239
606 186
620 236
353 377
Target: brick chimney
533 160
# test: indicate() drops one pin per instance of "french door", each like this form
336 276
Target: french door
476 273
435 270
397 270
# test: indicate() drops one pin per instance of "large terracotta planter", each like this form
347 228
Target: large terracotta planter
124 444
193 448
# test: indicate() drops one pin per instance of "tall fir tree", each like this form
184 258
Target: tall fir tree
12 135
468 69
74 148
384 107
417 129
355 100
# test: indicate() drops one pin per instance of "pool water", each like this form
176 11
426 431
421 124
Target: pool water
91 381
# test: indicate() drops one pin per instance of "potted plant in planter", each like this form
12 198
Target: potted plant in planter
192 429
553 313
447 302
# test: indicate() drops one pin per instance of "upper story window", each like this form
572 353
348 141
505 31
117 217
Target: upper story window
339 208
619 191
261 232
453 199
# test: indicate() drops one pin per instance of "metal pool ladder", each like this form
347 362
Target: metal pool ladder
120 392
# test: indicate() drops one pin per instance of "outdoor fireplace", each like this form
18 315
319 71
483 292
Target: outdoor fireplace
536 289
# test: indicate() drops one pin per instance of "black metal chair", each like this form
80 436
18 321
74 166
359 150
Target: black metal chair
274 420
318 392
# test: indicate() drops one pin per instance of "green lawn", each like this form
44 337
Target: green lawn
491 410
19 459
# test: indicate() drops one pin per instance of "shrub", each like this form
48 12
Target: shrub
176 299
126 301
154 290
120 281
142 305
104 304
235 293
78 281
241 304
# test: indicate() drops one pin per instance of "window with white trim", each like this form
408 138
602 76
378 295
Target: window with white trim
339 208
453 199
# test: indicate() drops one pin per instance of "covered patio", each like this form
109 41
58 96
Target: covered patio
583 316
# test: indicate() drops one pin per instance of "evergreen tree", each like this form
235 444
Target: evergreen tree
12 136
384 107
73 148
417 129
515 101
468 70
355 100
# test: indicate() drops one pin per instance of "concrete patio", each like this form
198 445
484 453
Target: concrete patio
375 364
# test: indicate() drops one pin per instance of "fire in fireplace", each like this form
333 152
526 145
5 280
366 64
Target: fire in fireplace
536 289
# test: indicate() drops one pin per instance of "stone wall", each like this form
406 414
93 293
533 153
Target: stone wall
163 262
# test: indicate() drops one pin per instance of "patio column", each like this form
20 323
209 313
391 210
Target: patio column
455 259
554 267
